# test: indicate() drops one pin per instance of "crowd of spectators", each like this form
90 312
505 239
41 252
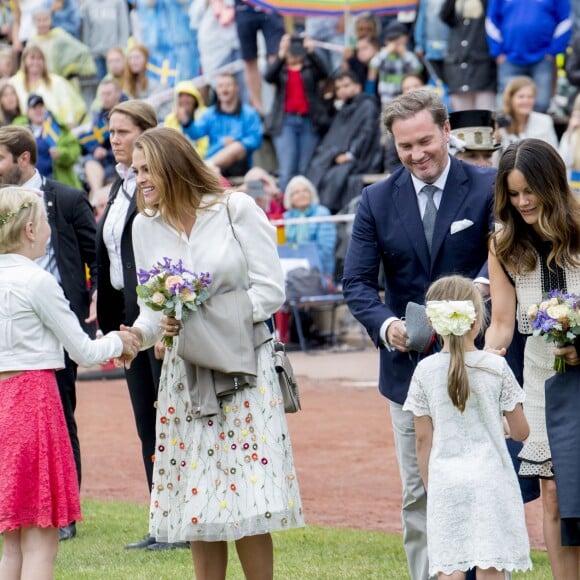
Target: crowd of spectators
291 97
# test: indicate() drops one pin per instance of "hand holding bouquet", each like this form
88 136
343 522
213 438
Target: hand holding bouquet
557 319
172 289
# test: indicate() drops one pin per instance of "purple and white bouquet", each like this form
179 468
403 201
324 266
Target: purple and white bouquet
557 319
172 289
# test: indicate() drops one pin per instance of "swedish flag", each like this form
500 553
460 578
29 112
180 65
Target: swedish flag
95 136
51 130
164 70
574 180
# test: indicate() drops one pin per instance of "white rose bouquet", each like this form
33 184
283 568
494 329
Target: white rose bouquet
557 319
172 289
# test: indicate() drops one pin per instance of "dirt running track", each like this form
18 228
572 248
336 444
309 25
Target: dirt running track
343 449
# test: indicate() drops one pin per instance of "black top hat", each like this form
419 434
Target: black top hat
472 118
475 127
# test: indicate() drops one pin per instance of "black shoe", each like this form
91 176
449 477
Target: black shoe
67 532
144 543
161 546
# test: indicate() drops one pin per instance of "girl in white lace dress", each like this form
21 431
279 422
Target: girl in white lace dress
537 249
228 475
475 512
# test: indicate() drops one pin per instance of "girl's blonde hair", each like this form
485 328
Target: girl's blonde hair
178 174
18 206
458 288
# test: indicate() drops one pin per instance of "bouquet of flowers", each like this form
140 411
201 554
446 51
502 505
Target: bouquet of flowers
172 289
557 319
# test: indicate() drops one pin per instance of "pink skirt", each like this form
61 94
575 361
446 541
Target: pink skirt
38 480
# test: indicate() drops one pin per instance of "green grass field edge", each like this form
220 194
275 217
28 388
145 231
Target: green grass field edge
313 552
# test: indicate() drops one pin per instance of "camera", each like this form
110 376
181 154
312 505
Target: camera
255 188
297 46
503 120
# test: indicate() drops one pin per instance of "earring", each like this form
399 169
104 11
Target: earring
32 245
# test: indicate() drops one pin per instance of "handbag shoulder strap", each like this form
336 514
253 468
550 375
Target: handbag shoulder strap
230 219
238 240
234 229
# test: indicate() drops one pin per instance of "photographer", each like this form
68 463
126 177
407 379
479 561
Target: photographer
299 116
262 188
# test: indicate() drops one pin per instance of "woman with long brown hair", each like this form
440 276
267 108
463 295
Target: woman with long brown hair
229 474
536 249
135 81
9 104
138 85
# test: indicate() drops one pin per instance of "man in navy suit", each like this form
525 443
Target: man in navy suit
391 228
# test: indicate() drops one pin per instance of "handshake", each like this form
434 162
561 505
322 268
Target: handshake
132 342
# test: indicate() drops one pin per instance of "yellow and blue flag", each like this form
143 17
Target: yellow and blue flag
164 71
51 130
95 136
574 180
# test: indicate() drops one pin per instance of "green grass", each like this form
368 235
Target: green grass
312 553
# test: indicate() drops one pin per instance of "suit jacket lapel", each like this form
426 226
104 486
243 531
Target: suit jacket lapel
405 202
451 200
132 208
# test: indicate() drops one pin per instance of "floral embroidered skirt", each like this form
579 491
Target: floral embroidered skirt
38 482
227 476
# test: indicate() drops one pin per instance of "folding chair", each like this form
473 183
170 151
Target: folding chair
296 255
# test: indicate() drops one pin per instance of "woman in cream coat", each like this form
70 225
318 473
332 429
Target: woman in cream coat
228 476
519 99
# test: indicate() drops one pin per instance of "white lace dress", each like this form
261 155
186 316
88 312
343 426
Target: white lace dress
475 513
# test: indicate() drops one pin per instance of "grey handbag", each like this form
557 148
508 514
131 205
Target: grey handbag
418 327
221 335
286 378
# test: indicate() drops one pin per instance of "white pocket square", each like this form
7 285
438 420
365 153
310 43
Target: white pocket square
460 225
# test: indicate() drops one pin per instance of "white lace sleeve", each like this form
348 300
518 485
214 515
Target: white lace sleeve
511 392
417 401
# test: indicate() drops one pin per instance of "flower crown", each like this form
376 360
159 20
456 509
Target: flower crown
6 217
451 316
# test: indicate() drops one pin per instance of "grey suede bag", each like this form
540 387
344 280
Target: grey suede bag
418 327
